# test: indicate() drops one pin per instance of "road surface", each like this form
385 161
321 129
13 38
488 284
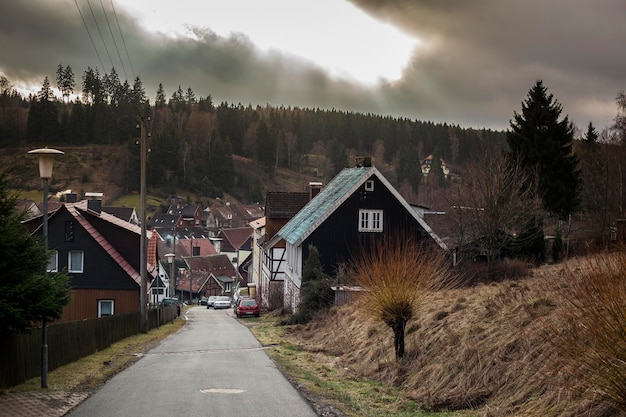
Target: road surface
212 367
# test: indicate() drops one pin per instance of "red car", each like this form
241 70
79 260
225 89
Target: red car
247 307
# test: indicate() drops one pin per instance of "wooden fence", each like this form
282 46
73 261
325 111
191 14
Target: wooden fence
20 353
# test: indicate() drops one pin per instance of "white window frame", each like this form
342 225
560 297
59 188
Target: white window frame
370 221
369 185
100 305
53 262
71 267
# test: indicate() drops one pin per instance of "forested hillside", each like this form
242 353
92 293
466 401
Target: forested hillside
192 140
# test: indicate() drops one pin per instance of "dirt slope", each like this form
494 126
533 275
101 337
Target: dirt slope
479 347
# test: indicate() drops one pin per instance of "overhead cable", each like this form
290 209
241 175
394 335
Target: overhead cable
89 33
114 42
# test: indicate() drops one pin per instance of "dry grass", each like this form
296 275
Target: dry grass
479 350
88 373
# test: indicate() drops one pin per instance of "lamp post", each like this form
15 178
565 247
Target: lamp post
46 161
170 260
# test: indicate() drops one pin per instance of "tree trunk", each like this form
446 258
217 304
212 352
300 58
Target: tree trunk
398 337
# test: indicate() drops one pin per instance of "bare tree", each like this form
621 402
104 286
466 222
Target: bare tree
495 200
396 273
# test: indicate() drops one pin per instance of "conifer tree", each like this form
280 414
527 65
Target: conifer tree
27 293
543 144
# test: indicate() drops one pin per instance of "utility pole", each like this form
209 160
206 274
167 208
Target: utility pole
143 326
191 269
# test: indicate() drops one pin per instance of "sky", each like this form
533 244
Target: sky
468 63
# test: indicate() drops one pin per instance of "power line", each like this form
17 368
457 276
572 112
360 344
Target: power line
113 37
89 33
123 41
100 32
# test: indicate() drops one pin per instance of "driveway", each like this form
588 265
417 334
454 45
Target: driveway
212 367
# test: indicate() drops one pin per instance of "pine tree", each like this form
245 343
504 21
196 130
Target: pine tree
27 293
544 144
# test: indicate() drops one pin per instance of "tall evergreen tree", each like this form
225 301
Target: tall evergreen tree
160 101
543 143
591 137
27 293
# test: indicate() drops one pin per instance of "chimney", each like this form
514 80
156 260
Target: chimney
363 161
94 202
314 189
217 244
71 197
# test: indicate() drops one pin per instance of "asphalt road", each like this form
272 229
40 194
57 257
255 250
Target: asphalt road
212 367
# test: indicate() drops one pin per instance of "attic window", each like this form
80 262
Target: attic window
369 185
370 220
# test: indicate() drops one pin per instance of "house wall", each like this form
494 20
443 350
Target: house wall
291 296
337 238
84 303
99 269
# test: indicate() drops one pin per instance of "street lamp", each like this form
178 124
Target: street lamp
170 260
46 161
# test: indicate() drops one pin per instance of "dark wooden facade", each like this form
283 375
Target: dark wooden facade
338 237
110 261
84 303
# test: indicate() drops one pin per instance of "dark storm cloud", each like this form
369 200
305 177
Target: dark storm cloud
476 64
481 57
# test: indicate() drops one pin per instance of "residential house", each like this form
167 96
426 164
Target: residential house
210 275
427 163
268 269
164 221
101 254
28 207
236 243
223 278
182 244
357 206
249 212
128 214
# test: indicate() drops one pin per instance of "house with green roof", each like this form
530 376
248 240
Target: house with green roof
358 205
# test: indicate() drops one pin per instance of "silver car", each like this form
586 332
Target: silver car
210 301
221 302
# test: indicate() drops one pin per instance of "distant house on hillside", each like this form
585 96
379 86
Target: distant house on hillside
427 164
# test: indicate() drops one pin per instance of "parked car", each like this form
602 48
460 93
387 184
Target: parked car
203 301
248 307
210 301
221 301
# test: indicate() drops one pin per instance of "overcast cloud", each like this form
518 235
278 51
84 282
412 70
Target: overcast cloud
474 66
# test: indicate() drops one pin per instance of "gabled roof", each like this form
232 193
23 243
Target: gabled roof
218 265
198 281
189 212
235 238
124 213
159 220
258 223
250 211
333 196
74 210
284 205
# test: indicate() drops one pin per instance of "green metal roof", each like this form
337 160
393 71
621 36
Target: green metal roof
331 197
320 207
